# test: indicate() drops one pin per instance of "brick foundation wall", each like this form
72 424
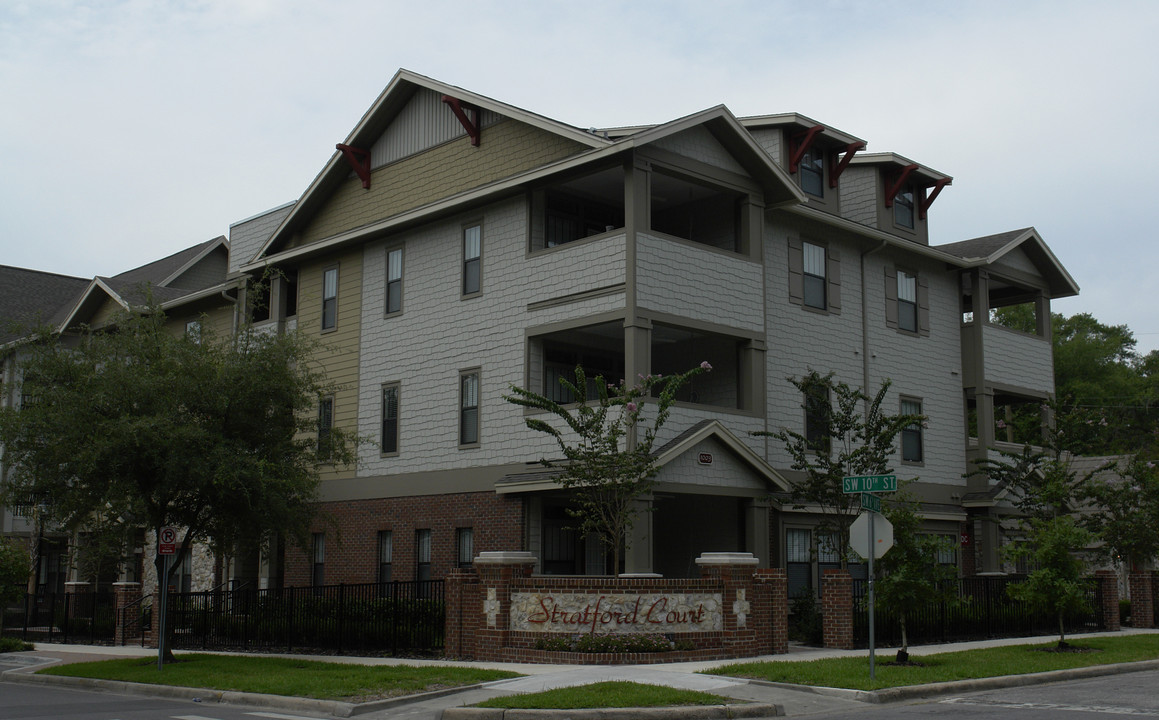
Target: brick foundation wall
1142 600
352 536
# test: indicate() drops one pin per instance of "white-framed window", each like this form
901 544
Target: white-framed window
812 171
330 298
385 556
798 561
469 408
465 542
815 285
903 207
389 438
907 301
394 281
423 554
318 560
472 259
325 424
911 435
193 330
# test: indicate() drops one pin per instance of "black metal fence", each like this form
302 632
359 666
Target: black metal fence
87 618
388 618
983 609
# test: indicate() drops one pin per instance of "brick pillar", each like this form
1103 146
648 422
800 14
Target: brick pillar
1142 601
1108 594
837 609
497 571
125 594
742 622
773 587
463 613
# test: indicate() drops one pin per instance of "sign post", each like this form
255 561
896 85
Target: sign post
166 546
864 485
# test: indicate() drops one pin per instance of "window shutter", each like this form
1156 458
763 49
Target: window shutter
834 280
891 297
796 272
923 307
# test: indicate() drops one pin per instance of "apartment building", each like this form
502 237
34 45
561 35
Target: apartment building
455 246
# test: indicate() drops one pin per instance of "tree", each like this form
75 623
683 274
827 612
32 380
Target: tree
140 426
911 574
1047 490
1124 512
1107 395
853 436
15 566
606 445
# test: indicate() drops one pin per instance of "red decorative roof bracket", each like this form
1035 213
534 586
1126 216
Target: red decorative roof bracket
359 160
799 145
472 127
892 190
927 201
837 167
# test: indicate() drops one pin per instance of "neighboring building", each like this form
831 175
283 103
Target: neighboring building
455 246
189 286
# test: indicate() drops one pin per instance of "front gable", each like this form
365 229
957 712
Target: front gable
710 467
443 170
699 144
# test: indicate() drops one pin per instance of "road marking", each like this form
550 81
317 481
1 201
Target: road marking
280 716
1107 709
192 717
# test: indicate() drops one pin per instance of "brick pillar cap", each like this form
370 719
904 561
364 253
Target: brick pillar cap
126 583
76 583
727 558
505 557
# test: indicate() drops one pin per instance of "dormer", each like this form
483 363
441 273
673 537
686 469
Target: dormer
814 155
891 193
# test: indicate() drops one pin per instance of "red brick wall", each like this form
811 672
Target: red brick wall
765 628
352 534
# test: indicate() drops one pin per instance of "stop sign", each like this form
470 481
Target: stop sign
882 534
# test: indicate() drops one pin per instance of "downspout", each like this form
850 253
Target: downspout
234 301
865 325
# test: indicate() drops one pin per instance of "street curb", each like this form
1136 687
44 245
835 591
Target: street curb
335 708
684 712
913 692
917 692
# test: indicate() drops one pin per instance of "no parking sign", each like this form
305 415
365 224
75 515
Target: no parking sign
167 541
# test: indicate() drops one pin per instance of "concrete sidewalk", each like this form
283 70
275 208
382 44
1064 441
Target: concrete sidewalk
789 700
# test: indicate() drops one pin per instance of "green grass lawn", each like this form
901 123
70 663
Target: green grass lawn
607 695
284 676
853 672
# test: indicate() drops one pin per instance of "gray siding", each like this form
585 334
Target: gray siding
699 144
247 237
425 121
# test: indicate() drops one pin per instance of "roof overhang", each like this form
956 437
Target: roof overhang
1030 242
95 295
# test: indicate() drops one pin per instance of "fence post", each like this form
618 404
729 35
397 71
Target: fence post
1142 601
837 609
1108 598
125 594
341 613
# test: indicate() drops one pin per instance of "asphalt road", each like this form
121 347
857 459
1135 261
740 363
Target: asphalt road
43 702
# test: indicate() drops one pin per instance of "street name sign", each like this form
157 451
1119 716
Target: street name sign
870 502
869 483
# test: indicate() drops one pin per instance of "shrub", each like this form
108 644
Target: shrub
805 622
636 643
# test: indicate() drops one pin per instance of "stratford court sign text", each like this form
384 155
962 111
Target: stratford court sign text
616 613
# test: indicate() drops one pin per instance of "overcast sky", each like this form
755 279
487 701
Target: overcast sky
132 129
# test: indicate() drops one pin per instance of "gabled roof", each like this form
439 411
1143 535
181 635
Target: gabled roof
164 271
30 297
889 158
544 479
374 122
988 250
133 288
797 120
779 187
